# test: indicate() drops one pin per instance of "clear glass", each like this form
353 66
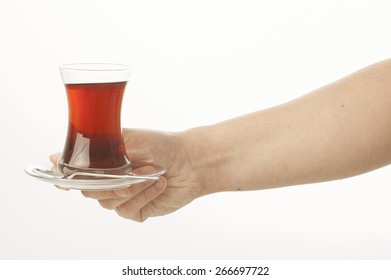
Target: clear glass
94 140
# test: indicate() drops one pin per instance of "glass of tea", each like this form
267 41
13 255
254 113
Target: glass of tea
94 141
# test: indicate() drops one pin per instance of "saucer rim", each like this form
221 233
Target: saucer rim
92 184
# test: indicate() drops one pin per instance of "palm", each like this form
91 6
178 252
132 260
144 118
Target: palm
164 149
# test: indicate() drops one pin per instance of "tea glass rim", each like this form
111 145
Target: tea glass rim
87 73
98 67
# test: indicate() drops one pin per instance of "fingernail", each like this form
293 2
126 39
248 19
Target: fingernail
122 192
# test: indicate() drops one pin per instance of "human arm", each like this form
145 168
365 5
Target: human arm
340 130
337 131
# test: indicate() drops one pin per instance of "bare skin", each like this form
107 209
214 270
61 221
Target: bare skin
335 132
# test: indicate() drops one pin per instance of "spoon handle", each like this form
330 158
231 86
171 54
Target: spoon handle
52 174
113 176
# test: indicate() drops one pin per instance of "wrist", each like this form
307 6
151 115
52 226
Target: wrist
210 156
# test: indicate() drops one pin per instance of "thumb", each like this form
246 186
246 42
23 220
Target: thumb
138 143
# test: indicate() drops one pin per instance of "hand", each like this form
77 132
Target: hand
179 186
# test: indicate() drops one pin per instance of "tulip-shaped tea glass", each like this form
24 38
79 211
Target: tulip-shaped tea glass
94 155
94 141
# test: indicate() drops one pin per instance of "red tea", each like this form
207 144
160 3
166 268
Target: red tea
94 140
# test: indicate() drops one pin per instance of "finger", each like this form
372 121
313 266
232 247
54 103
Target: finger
112 203
125 192
136 148
141 143
131 209
61 188
100 195
55 157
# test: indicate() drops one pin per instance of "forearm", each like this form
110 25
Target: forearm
337 131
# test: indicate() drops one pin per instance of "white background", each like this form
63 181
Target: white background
195 63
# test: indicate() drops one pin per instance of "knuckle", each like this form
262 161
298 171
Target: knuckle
126 215
107 204
86 194
122 213
139 217
146 195
149 194
119 212
144 215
